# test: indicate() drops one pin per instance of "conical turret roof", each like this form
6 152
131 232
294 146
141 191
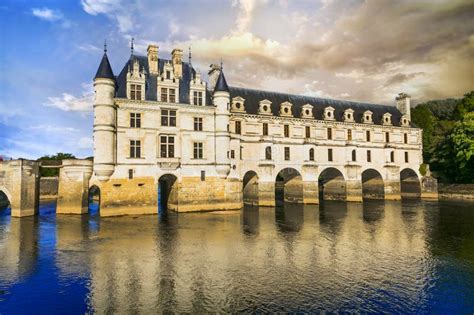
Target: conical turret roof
105 70
221 84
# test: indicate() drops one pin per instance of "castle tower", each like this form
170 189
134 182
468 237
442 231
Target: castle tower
104 120
221 99
403 104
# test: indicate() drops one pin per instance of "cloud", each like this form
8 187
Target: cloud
246 13
51 15
69 102
85 143
114 9
52 128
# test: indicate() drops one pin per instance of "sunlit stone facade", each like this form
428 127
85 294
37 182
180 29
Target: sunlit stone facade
162 133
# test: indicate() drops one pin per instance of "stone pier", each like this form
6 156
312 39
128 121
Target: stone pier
19 181
73 188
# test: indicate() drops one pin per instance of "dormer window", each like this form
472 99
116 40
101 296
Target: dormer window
238 104
349 115
367 117
387 119
265 107
328 113
136 82
404 121
307 111
285 109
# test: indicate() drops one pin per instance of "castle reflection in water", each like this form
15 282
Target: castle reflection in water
336 256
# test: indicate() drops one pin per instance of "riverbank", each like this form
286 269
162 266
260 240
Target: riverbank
464 192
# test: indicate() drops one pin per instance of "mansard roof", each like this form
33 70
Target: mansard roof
221 84
151 80
105 70
253 98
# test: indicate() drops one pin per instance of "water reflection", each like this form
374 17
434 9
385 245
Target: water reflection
372 256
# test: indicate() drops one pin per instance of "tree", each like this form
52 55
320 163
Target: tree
465 106
424 119
50 172
462 139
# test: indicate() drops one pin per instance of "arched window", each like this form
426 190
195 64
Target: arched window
392 156
311 154
268 153
354 157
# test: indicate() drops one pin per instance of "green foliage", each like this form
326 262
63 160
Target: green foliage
50 172
423 169
448 137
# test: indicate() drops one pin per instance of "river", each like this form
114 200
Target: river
397 257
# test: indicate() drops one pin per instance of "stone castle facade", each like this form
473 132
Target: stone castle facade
163 137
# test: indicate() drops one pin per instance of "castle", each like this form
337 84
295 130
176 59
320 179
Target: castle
163 137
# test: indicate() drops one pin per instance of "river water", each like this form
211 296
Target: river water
400 257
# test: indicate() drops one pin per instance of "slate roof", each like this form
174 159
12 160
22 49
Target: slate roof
105 70
221 84
253 98
151 80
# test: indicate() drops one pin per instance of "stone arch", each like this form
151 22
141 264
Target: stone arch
289 186
410 186
94 199
332 185
5 199
250 188
372 184
167 192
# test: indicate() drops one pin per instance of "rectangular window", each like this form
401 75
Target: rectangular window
197 150
387 137
130 174
268 153
238 127
392 157
265 129
241 152
405 138
172 93
168 75
203 176
199 98
349 134
369 156
168 117
135 149
330 155
232 154
198 123
167 146
135 91
287 153
329 133
367 135
308 132
164 94
354 156
286 131
135 120
406 157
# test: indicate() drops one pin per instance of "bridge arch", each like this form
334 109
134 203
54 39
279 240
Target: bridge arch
5 199
332 184
289 186
410 186
167 192
250 188
372 184
94 199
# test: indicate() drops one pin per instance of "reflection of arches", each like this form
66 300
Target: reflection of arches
94 199
290 217
409 184
289 186
167 192
250 188
372 184
250 222
332 185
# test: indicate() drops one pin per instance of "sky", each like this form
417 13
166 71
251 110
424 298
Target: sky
356 50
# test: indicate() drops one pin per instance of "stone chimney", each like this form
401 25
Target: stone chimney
403 104
213 75
176 58
152 52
